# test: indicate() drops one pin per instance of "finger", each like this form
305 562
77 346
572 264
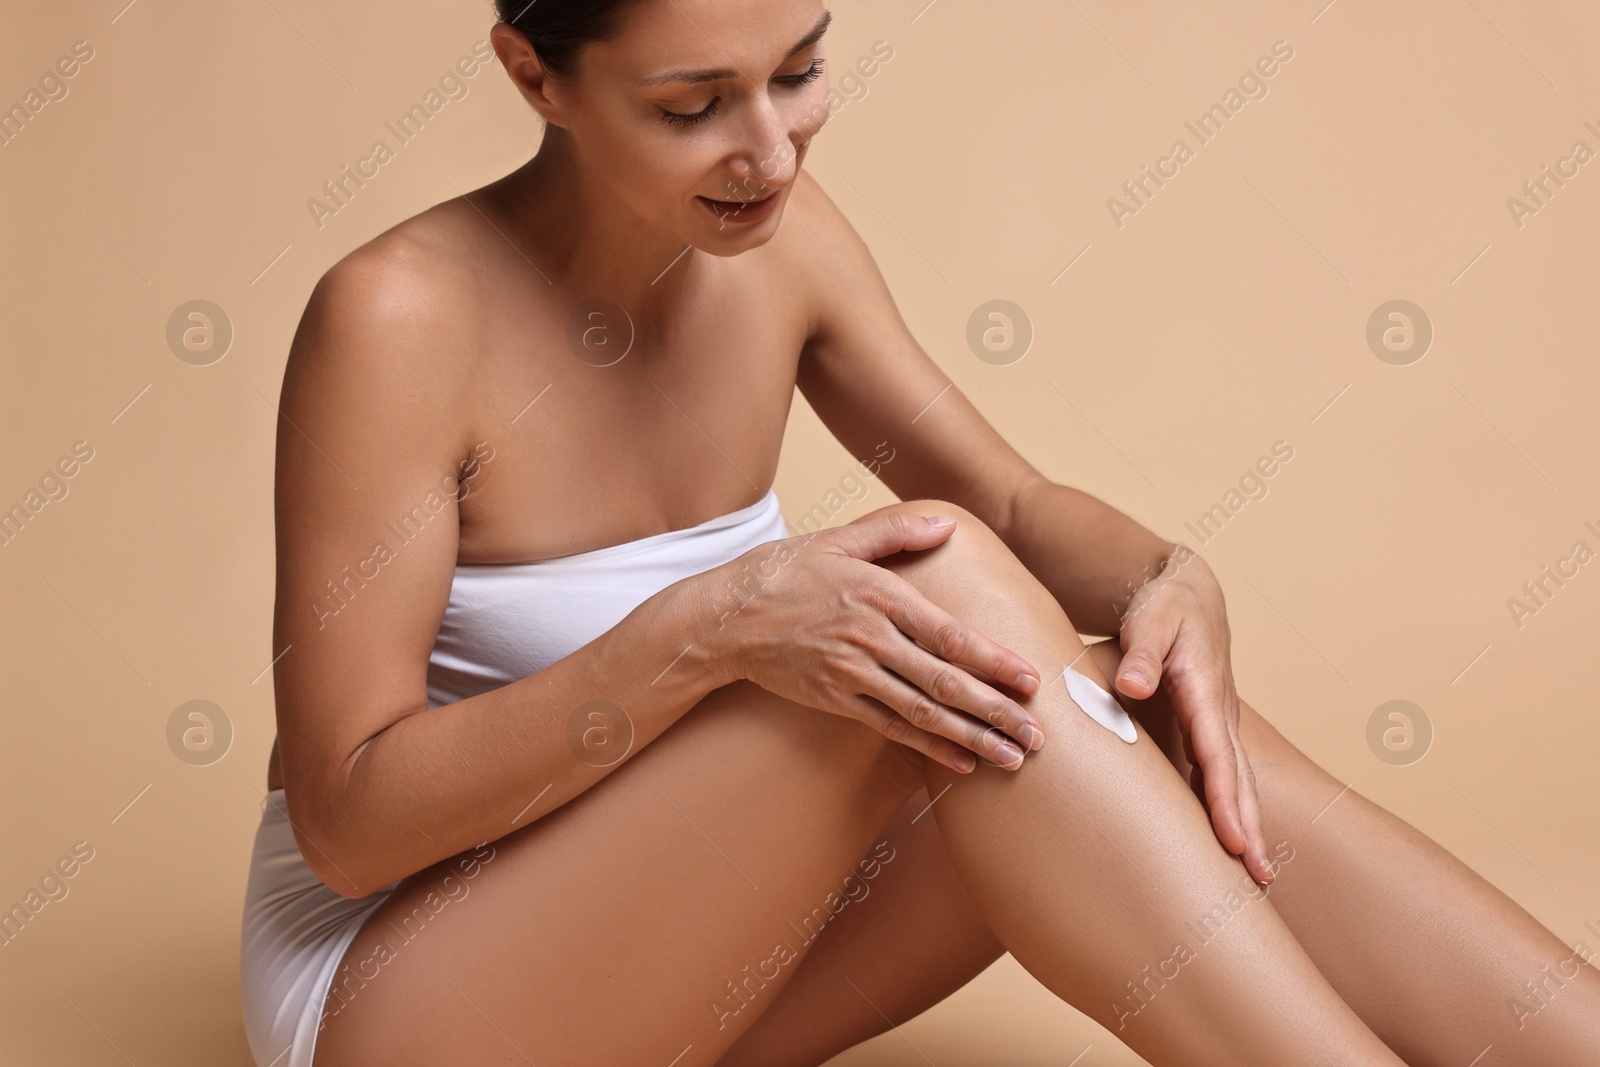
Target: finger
1219 771
1213 744
947 685
1255 856
897 728
884 535
1146 641
928 715
1140 671
951 639
976 672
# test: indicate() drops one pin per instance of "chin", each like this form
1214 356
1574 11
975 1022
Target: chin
732 240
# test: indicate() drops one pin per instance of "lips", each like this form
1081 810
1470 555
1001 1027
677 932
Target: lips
739 205
741 212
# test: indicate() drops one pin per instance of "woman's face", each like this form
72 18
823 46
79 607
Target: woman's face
697 116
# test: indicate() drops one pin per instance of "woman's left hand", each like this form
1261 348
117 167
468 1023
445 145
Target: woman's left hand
1176 632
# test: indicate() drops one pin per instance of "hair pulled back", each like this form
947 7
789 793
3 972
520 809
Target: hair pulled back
558 29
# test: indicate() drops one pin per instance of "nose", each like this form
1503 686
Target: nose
765 159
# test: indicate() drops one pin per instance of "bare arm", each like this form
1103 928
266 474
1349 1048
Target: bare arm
868 379
1091 556
379 786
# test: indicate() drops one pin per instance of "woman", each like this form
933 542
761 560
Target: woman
580 751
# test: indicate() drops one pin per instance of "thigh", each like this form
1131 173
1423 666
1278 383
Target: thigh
651 919
911 936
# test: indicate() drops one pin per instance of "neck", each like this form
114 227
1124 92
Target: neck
586 241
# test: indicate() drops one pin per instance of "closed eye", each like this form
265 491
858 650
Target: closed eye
811 74
675 118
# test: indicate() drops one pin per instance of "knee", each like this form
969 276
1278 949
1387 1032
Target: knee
971 537
970 566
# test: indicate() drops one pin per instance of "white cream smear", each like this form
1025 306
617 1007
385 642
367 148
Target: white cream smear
1099 705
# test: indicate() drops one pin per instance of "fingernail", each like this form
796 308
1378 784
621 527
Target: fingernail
1135 677
968 762
1007 755
1027 684
1031 736
940 521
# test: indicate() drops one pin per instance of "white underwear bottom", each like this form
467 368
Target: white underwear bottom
294 934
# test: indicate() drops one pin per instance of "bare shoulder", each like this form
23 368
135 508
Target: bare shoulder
813 212
409 280
826 257
400 316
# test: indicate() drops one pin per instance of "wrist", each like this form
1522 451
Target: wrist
1179 562
705 615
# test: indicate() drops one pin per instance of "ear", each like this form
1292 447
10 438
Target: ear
526 71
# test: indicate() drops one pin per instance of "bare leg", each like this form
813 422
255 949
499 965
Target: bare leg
1435 959
612 930
1097 867
642 919
914 939
1439 996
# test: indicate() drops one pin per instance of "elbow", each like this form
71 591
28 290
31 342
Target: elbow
341 869
334 853
335 845
342 879
337 864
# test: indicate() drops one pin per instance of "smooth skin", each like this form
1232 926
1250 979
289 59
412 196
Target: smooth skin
772 754
607 931
1363 895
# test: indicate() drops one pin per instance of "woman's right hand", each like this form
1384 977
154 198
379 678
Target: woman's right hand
814 620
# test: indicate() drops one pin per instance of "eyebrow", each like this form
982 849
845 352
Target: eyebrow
693 76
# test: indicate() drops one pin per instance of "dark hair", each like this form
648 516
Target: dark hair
558 29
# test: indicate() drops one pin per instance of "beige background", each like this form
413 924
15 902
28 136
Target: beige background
1227 314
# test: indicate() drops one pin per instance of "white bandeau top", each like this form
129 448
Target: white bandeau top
504 621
